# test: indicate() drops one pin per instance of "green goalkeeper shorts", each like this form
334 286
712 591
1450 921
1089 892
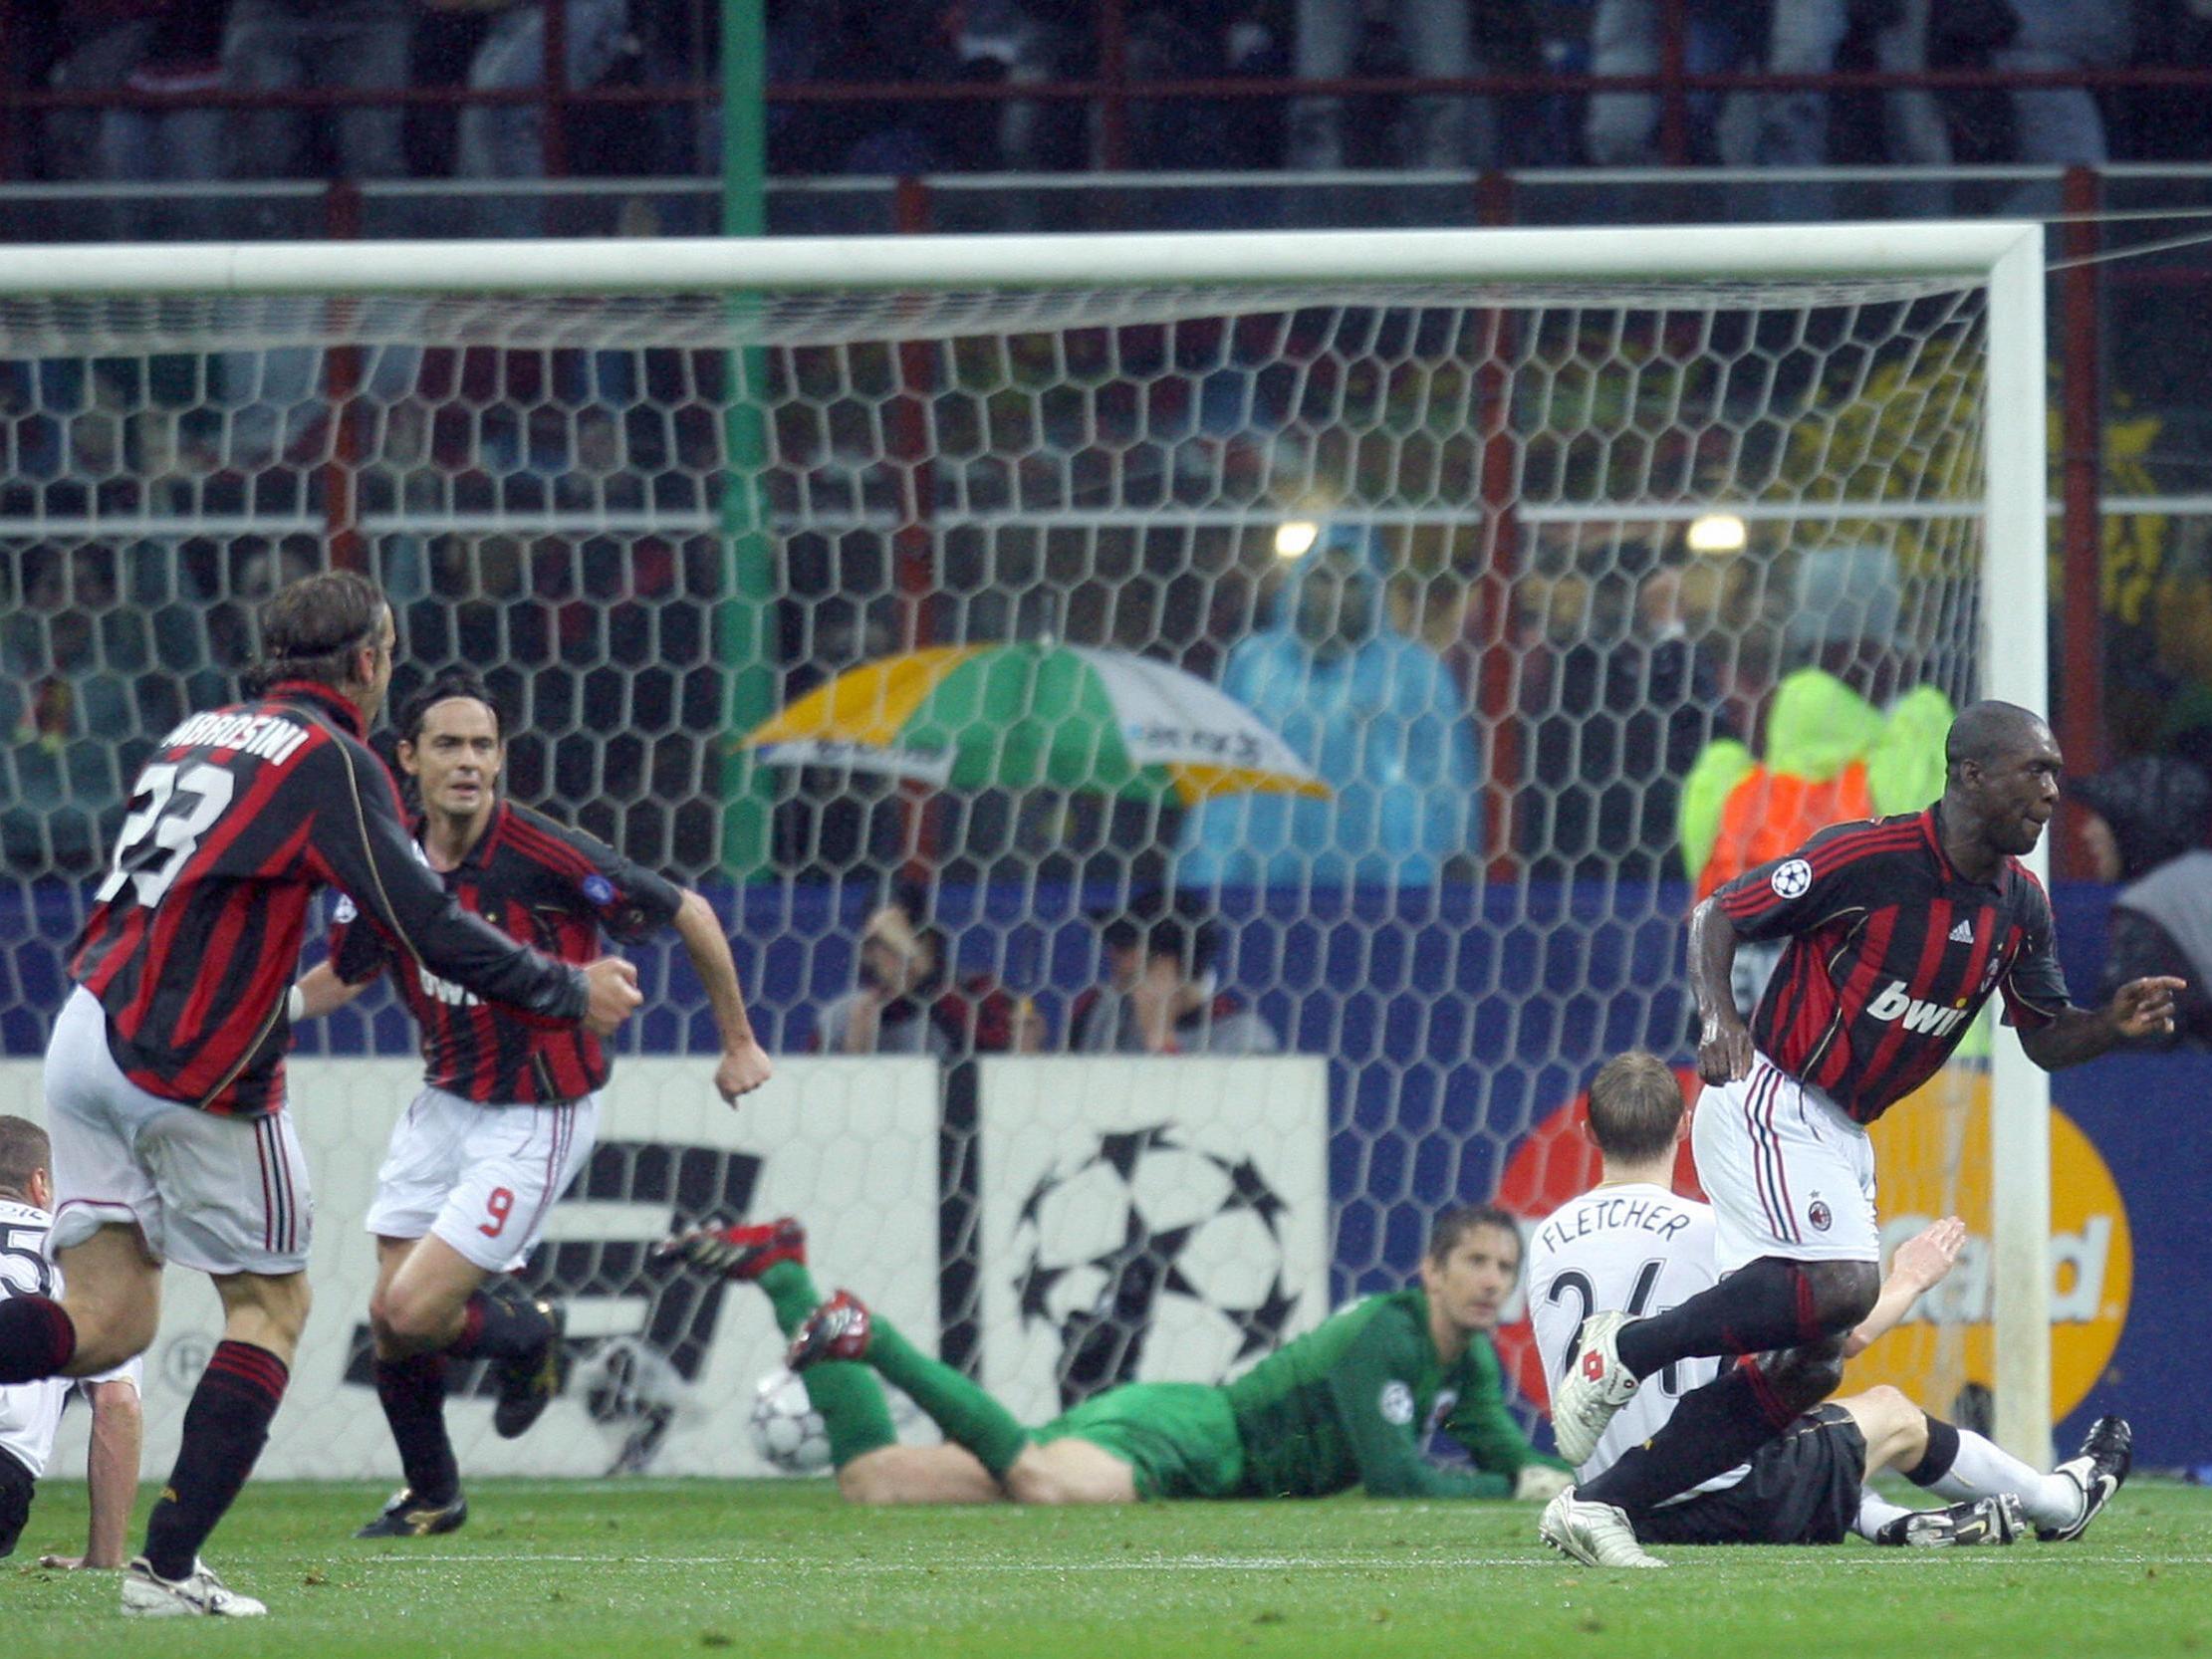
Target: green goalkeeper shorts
1179 1438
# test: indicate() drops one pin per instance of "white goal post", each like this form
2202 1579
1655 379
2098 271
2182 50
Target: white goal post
98 301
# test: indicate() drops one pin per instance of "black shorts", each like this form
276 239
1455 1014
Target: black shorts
15 1500
1803 1488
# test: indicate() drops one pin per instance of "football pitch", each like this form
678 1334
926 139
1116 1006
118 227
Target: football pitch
647 1568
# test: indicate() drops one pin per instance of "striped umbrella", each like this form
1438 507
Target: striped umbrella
1027 716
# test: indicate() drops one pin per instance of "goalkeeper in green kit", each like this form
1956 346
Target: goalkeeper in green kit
1349 1404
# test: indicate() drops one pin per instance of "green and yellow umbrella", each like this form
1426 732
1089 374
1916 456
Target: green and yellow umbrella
1036 716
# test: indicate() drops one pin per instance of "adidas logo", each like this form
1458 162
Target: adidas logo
1963 934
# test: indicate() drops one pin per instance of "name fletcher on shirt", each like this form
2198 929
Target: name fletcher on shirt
1607 1215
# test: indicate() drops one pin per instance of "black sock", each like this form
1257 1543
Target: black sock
225 1427
1715 1429
1942 1452
1766 1303
500 1328
412 1393
37 1339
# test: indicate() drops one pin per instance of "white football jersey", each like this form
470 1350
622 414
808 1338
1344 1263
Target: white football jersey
1636 1248
30 1412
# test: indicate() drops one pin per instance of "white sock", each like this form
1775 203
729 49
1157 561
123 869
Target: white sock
1984 1468
1874 1513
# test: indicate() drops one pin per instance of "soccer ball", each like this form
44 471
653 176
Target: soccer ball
787 1431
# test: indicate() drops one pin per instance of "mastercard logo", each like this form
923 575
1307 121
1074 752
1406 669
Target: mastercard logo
1931 1157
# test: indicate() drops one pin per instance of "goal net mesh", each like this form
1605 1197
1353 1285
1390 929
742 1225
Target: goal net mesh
1501 565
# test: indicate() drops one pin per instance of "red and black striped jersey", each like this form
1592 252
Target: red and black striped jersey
194 937
550 886
1891 952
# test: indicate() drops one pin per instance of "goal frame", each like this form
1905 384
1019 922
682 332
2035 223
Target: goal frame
2005 257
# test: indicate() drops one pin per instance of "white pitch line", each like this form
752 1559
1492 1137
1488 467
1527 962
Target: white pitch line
1885 1561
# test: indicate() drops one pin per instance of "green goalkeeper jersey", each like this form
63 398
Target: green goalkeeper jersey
1354 1401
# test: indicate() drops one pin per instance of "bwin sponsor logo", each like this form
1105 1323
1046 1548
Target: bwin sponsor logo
1931 1017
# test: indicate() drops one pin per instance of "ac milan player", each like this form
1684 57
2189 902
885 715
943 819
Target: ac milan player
509 1108
1632 1242
1898 931
164 1076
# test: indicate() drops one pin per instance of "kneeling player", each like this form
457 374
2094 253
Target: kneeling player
31 1412
1631 1243
508 1111
1349 1404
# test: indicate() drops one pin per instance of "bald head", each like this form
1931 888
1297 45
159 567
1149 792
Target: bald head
1989 731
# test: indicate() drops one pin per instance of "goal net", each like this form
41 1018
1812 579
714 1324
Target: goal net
1388 604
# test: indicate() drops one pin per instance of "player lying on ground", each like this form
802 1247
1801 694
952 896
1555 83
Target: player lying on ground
1630 1241
509 1110
165 1073
1349 1404
30 1412
1898 932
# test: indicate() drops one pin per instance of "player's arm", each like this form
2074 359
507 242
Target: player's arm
2143 1008
744 1065
1723 1039
320 990
1481 1423
2053 1030
1364 1386
358 954
364 849
1819 884
110 1472
1918 1265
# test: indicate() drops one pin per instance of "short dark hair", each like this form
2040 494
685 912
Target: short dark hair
450 684
1635 1106
24 1151
311 628
1986 732
1454 1224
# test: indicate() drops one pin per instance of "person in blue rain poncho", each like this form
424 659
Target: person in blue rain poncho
1377 715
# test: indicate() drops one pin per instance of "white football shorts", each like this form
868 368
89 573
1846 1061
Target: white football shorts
220 1194
481 1177
1786 1170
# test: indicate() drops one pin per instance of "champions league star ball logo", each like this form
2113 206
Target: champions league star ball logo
1790 879
1152 1241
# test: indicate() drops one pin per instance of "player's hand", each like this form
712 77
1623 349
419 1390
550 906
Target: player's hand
77 1563
743 1070
2144 1007
1539 1483
1929 1254
614 997
1724 1050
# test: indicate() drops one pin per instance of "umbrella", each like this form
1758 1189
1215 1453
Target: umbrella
1023 716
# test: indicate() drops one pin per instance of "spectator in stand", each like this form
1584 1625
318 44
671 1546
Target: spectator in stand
1162 994
1619 708
2145 825
2060 126
1377 715
286 46
867 42
143 46
1438 42
507 140
1774 130
907 1002
61 704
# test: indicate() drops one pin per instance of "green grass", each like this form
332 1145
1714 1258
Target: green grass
646 1568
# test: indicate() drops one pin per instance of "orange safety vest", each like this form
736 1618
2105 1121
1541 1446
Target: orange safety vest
1769 814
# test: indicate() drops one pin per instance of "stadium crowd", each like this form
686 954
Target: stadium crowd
499 47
